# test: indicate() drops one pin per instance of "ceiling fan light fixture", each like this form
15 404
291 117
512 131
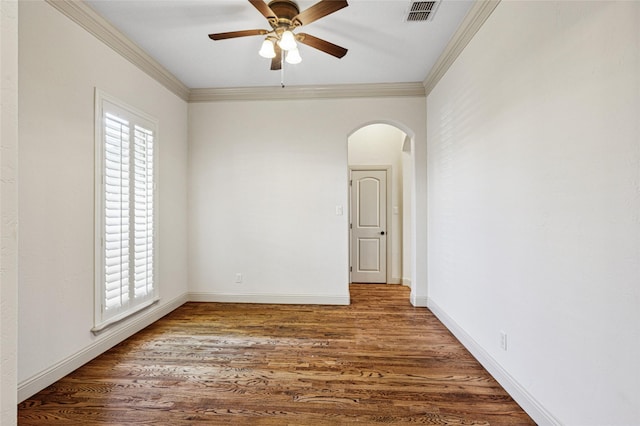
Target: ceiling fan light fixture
267 50
293 56
287 41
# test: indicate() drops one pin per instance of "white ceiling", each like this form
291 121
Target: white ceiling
383 47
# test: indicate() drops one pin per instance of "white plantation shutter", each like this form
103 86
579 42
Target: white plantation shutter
116 213
125 211
143 212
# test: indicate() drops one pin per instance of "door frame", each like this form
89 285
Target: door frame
388 170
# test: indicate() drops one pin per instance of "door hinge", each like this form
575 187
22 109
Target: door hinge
351 226
350 182
350 268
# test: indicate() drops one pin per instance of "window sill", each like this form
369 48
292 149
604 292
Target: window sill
99 328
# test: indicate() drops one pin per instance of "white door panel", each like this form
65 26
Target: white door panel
368 198
368 226
368 254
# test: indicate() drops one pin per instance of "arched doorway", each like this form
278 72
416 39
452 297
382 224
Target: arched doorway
380 157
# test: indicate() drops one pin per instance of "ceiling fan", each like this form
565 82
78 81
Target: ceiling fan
284 16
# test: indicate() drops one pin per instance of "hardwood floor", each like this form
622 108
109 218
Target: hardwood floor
377 361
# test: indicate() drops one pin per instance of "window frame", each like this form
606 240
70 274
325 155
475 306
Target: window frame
106 103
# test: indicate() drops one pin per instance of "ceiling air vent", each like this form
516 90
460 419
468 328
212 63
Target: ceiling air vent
422 11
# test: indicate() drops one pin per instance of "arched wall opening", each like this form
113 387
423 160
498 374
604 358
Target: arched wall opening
386 146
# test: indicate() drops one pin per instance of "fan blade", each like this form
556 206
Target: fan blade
323 45
234 34
276 61
265 10
317 11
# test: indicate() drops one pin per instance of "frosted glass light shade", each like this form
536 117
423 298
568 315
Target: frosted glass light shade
267 50
293 57
287 41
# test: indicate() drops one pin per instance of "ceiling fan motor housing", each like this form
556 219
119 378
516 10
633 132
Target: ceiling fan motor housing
285 11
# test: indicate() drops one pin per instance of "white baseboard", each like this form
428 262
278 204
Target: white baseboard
107 340
406 281
528 403
418 301
288 299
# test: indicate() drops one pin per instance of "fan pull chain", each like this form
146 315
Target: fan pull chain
282 69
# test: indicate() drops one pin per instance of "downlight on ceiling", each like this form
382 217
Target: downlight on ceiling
422 11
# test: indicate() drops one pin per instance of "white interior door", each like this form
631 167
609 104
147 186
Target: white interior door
368 226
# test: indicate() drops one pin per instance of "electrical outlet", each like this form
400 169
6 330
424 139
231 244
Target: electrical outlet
503 340
238 277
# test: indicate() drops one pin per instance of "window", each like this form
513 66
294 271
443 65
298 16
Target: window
125 200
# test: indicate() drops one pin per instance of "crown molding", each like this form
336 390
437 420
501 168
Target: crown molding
82 14
308 92
472 22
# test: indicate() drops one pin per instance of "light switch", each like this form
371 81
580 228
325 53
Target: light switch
339 211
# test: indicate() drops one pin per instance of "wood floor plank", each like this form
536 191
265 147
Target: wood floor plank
377 361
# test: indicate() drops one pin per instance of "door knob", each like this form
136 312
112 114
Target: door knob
382 233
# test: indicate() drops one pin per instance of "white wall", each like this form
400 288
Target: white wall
60 64
265 180
8 210
407 211
381 144
534 204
